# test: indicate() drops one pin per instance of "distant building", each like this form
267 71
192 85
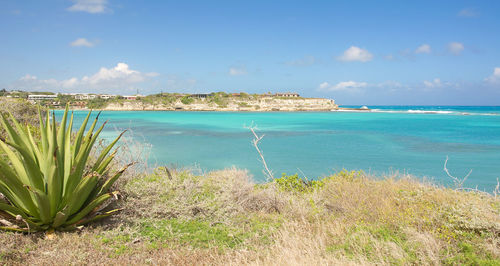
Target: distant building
90 96
84 96
48 99
39 97
132 97
107 96
287 94
79 104
200 95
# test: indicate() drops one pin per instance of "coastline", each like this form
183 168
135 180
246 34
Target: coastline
232 105
227 217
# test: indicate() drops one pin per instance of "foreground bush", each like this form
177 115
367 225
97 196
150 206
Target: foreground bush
223 218
50 184
346 218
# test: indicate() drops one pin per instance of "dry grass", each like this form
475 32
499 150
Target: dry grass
224 218
23 111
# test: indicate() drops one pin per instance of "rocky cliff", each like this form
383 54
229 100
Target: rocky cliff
265 104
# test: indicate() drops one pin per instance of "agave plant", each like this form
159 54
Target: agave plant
50 184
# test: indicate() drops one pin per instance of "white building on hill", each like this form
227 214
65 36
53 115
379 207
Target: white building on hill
38 97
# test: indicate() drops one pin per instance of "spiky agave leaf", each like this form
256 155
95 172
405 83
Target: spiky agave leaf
45 182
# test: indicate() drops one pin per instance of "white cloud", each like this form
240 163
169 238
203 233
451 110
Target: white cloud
35 83
237 71
305 61
82 42
118 77
28 77
120 72
468 13
495 77
433 84
423 49
344 85
355 54
455 48
325 85
90 6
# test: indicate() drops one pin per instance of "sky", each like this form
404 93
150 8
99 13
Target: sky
355 52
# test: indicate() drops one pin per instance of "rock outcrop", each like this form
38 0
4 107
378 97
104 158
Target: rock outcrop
265 104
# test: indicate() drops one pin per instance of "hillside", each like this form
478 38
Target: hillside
264 104
219 101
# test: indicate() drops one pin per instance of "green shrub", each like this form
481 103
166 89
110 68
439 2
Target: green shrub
347 175
168 99
221 102
296 184
219 98
97 103
49 184
187 100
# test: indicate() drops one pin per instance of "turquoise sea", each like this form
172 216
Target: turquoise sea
408 139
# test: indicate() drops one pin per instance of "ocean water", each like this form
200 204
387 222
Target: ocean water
409 139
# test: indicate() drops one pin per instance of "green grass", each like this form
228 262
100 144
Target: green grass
117 244
368 240
470 254
206 234
198 234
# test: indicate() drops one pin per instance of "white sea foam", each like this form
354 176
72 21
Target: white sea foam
429 112
486 114
386 111
412 111
174 132
352 110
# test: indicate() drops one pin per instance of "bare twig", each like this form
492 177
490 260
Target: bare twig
305 177
457 181
497 189
267 172
20 218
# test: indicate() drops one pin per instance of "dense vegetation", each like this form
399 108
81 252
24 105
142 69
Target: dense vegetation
176 216
169 101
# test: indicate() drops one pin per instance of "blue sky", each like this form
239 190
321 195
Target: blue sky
356 52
